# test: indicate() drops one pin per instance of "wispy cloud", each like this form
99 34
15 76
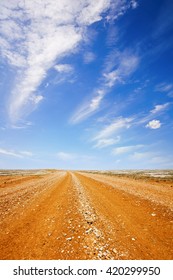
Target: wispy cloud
63 68
102 143
9 153
156 112
64 73
22 125
114 127
160 108
154 124
89 107
164 87
134 4
126 149
107 136
119 66
141 155
34 34
89 57
113 74
123 7
26 153
19 154
66 156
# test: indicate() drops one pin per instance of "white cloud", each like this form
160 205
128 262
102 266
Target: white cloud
154 124
157 111
160 108
9 153
119 8
112 128
92 10
95 101
65 156
134 4
164 87
126 149
34 34
22 125
89 107
26 153
36 99
126 65
63 68
89 57
19 154
102 143
141 156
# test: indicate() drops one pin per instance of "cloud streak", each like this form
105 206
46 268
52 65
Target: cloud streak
89 107
126 149
115 126
63 68
114 73
105 142
20 154
34 35
160 108
107 136
66 156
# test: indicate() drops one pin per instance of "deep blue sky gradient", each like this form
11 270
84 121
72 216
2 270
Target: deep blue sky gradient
131 127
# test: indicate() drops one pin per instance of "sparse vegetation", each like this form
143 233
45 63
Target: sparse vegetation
155 175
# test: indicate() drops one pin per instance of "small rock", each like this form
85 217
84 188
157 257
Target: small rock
97 233
133 239
114 251
69 238
88 231
153 214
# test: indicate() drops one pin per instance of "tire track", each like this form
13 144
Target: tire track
14 198
135 228
67 215
96 243
29 234
157 193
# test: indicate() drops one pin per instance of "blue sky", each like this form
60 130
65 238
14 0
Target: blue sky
86 84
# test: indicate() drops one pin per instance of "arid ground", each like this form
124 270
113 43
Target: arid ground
49 214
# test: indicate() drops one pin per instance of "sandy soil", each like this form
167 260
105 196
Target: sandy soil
75 215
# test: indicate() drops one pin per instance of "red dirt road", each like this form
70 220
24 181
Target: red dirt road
73 215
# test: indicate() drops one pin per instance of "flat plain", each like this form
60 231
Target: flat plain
78 215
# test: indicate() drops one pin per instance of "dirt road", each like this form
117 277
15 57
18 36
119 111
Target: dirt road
73 215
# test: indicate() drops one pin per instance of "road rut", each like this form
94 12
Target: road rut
73 215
